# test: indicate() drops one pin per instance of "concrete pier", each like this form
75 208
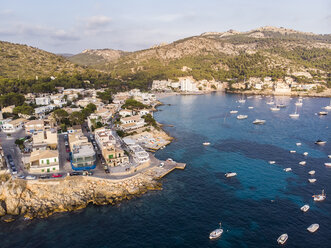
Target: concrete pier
166 167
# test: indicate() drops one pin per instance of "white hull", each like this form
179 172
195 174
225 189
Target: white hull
312 180
298 144
259 122
302 163
294 115
327 164
233 111
288 169
292 151
241 117
282 239
305 208
313 228
274 109
272 162
305 153
230 174
206 143
312 172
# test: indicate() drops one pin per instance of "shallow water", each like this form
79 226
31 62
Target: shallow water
255 207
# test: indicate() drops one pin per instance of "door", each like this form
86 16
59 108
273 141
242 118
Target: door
47 161
48 170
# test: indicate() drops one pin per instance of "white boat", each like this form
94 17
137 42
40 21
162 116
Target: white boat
305 208
299 102
313 228
295 114
329 106
216 233
292 151
233 111
206 143
259 122
312 180
320 142
242 101
302 163
271 103
250 107
282 239
327 164
241 117
322 113
312 172
281 105
230 174
288 169
274 109
272 162
298 144
329 156
320 197
305 153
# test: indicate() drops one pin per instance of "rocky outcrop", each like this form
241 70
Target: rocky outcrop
40 198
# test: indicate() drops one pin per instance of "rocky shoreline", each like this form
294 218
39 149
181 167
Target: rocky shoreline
40 198
326 93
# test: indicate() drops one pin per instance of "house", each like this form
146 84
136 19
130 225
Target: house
187 85
44 109
114 156
104 137
44 161
34 126
125 112
44 140
143 112
8 109
140 156
281 87
132 122
14 125
43 100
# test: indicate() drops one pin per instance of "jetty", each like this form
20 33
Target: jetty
166 167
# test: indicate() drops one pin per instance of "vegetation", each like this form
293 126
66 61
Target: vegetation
106 97
11 99
150 121
133 104
24 109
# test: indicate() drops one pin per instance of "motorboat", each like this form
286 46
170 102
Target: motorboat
230 174
274 109
327 164
312 180
313 228
320 142
292 151
302 163
206 143
233 111
272 162
241 117
271 103
312 172
295 114
329 156
259 122
305 153
320 197
322 113
298 144
282 239
288 169
242 101
250 107
299 102
329 106
216 233
305 208
281 106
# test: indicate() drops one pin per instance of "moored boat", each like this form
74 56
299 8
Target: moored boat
241 117
302 163
271 103
230 174
312 172
216 233
281 106
305 208
259 122
305 153
320 197
327 164
282 239
298 144
322 113
329 156
288 169
250 107
272 162
206 143
320 142
233 111
313 228
299 103
293 151
274 109
312 180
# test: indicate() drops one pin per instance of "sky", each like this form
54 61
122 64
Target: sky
71 26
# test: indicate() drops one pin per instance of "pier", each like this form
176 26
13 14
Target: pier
166 167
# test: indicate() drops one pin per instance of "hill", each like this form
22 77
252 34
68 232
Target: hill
97 57
22 61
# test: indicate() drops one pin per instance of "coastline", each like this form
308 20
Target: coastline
326 93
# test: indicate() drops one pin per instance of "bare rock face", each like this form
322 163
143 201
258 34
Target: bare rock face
42 198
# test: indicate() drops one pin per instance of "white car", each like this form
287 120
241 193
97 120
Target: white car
30 177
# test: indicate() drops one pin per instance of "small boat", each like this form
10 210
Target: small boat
250 107
271 103
322 113
274 109
305 208
327 164
241 117
302 163
272 162
320 142
206 143
312 180
288 169
282 239
281 106
313 228
295 114
328 107
329 156
305 153
216 233
298 144
312 172
233 111
320 197
292 151
259 122
299 103
230 174
242 101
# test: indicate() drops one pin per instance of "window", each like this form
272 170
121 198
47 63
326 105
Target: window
110 156
47 161
54 159
53 168
42 170
42 161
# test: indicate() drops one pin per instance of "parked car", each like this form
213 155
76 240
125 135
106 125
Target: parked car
66 143
27 137
91 137
56 175
30 177
74 173
87 173
66 137
44 177
67 149
107 171
21 176
14 171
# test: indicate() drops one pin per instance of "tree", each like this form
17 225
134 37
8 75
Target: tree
77 118
106 97
60 115
12 99
24 109
133 104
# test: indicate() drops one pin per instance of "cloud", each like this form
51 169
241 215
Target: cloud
6 12
98 22
63 35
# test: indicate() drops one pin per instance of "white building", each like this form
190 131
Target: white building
44 161
104 137
13 126
188 85
125 112
139 154
43 100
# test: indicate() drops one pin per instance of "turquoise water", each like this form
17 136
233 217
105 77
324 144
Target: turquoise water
255 207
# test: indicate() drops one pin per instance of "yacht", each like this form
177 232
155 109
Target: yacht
329 156
206 143
241 100
271 103
230 174
250 107
282 239
281 105
216 233
313 228
328 107
259 122
241 117
312 180
272 162
320 142
298 144
292 151
299 102
312 172
322 113
274 109
233 111
302 163
320 197
295 114
305 208
288 169
327 164
305 153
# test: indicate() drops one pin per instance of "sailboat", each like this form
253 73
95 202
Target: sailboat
329 106
299 102
295 114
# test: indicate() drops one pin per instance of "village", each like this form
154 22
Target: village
114 141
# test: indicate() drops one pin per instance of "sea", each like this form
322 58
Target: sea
254 208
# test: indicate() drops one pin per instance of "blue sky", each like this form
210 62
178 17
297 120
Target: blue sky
70 26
